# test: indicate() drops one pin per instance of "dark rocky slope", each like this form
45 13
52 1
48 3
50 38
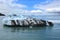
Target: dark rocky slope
2 14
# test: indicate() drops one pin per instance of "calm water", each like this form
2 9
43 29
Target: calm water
28 33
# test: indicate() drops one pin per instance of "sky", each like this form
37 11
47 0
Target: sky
29 6
31 3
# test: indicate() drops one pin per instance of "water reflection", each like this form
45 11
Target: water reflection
27 29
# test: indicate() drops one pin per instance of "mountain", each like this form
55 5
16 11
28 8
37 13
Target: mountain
2 14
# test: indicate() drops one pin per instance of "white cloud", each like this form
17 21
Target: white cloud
57 9
51 7
36 11
7 6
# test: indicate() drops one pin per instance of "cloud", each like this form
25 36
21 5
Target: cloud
34 11
8 6
54 5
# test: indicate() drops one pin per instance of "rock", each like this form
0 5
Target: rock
50 23
2 14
